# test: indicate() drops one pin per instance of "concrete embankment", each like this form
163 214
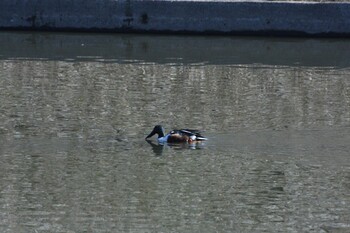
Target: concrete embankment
181 16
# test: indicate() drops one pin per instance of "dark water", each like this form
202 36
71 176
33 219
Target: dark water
75 108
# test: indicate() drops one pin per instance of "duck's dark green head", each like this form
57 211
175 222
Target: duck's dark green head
158 129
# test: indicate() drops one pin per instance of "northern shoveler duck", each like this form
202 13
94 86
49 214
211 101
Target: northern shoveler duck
177 135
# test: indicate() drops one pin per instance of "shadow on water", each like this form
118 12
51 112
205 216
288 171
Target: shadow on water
175 49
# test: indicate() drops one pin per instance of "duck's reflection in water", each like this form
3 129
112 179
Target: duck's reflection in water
158 148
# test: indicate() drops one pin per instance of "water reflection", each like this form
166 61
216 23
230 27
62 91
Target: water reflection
74 158
175 50
78 98
158 148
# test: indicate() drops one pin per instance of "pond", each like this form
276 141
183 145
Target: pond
75 109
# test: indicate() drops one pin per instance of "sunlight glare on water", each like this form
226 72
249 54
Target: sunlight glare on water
75 109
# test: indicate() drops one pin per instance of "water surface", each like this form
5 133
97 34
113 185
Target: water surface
75 109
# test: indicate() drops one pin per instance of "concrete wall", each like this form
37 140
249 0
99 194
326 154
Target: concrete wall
222 16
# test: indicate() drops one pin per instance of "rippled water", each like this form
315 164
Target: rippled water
75 109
